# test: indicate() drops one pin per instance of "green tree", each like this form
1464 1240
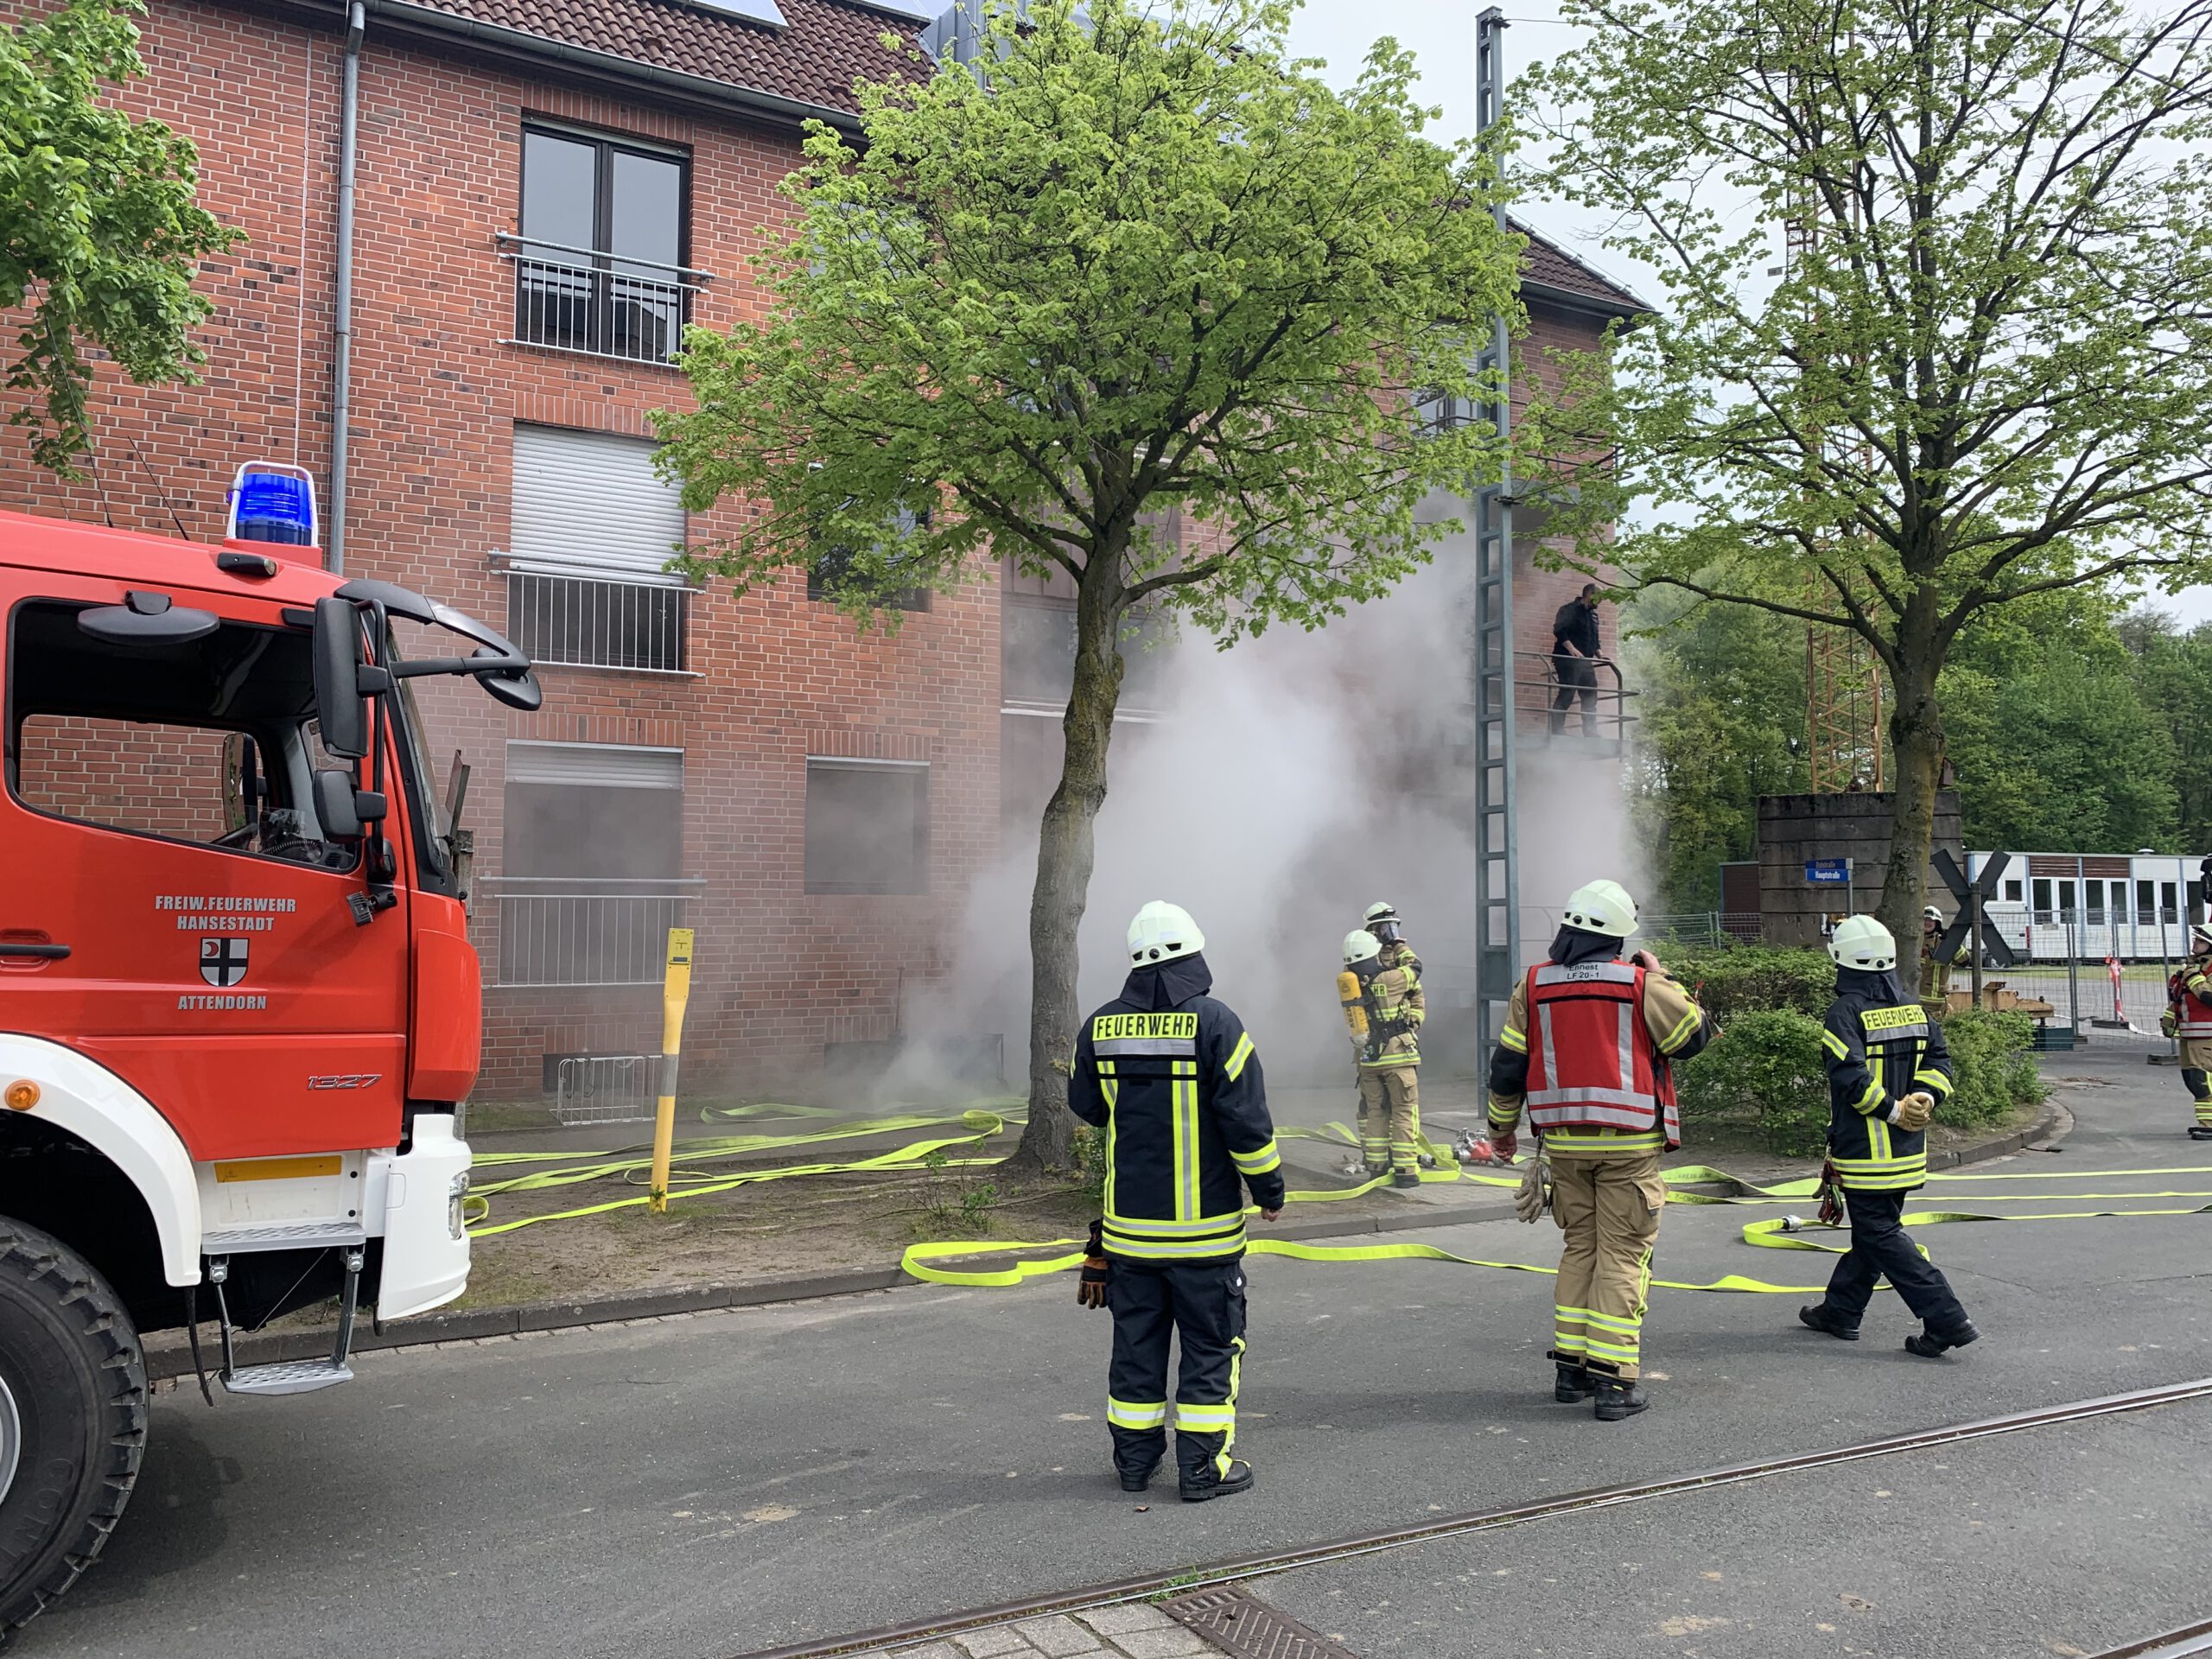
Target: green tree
1719 723
2173 675
1133 257
1984 371
2054 744
99 231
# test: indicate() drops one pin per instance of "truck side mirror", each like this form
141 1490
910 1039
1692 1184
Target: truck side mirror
340 712
344 811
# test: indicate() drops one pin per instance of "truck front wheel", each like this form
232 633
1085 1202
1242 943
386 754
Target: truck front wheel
73 1417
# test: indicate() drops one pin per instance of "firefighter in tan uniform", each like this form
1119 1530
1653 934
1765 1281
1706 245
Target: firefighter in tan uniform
1934 970
1587 1047
1383 1009
2188 1017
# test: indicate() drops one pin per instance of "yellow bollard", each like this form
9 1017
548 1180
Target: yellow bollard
676 991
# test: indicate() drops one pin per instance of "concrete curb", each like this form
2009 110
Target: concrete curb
172 1358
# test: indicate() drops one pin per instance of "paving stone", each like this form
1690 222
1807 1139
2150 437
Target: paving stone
1059 1637
1177 1643
935 1650
999 1642
1130 1616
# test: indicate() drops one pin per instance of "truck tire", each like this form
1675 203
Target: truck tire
72 1408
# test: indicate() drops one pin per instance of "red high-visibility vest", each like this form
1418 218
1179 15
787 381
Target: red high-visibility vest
2192 1013
1592 1062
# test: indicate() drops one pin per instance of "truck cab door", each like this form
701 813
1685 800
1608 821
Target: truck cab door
159 827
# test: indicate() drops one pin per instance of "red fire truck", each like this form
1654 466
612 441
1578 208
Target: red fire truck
238 1007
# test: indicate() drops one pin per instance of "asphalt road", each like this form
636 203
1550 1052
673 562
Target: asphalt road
697 1488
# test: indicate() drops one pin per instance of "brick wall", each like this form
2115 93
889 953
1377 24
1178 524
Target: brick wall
435 400
164 781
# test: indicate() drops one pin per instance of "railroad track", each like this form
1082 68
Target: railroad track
2196 1640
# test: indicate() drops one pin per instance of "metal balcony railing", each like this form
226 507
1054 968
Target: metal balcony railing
576 300
600 622
561 930
1597 713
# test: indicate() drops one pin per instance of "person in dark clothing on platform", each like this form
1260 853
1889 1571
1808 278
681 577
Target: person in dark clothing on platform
1575 654
1887 1067
1170 1075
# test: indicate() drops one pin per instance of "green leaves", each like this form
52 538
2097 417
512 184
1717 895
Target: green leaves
1134 259
99 231
1978 368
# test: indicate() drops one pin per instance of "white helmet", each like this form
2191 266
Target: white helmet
1931 914
2200 938
1161 932
1862 941
1602 907
1381 911
1360 946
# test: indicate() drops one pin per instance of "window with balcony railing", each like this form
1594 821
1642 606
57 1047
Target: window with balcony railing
591 850
599 265
592 528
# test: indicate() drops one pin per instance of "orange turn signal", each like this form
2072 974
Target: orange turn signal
23 1094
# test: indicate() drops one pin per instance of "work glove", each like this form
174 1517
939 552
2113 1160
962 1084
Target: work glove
1831 1209
1097 1269
1915 1109
2168 1025
1533 1197
1504 1143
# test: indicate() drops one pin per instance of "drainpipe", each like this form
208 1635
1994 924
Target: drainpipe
341 400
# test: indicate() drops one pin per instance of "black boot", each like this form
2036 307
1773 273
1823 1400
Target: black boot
1574 1384
1405 1178
1136 1481
1819 1317
1618 1399
1929 1345
1238 1479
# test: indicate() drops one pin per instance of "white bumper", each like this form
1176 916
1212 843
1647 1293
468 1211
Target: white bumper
425 1246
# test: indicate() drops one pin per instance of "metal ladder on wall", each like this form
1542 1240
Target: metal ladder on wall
1497 861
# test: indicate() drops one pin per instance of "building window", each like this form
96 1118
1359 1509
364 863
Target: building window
599 266
2043 896
868 826
593 526
2169 908
826 574
2012 892
591 863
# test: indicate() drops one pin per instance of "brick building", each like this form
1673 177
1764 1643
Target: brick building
546 192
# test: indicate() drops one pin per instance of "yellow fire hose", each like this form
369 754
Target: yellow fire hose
977 1125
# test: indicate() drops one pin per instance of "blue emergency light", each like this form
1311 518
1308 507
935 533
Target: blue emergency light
272 502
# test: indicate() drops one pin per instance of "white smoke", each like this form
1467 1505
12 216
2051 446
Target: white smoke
1291 782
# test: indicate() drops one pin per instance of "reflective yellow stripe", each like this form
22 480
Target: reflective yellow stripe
1869 1098
1517 1041
1162 1227
1197 1250
1237 1056
1124 1414
1934 1082
1834 1045
1674 1038
1258 1163
1203 1419
1185 1107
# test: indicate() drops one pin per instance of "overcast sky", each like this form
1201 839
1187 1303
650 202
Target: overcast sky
1441 35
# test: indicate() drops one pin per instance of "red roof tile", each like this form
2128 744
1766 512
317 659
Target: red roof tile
824 46
1548 266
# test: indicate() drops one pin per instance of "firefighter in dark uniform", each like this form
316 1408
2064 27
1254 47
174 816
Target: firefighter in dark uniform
1887 1067
2188 1019
1170 1075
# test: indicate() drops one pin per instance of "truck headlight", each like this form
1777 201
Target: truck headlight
456 1201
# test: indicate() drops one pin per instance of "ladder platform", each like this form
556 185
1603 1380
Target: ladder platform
282 1235
288 1376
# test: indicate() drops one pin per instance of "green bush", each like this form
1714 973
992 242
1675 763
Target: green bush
1993 1056
1747 978
1088 1147
1762 1070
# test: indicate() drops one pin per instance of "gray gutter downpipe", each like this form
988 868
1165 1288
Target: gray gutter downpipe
341 397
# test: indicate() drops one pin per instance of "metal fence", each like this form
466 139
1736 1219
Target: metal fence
579 300
590 622
1702 927
606 1088
556 930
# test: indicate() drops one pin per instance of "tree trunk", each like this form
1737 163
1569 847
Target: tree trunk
1065 852
1917 756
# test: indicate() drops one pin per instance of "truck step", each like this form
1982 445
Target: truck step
288 1376
282 1235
